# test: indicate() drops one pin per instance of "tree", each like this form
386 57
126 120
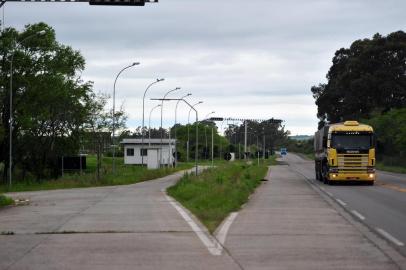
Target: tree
274 134
51 102
368 77
390 129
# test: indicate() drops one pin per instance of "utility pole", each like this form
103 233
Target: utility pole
212 146
245 139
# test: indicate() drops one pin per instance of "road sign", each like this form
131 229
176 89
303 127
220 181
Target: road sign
284 151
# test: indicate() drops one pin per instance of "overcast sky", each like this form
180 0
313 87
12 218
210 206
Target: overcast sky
244 59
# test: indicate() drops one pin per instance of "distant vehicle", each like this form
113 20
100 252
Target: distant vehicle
345 152
284 151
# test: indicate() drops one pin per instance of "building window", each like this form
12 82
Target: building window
144 152
130 152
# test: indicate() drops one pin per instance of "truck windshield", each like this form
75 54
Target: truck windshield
351 141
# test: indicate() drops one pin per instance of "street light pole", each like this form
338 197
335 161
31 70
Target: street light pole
212 145
205 134
245 139
40 33
197 122
149 124
197 134
162 134
188 122
143 106
176 109
114 111
221 144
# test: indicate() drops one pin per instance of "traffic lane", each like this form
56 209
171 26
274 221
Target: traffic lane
390 180
382 208
288 225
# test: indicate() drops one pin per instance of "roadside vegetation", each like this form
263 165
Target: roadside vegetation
214 194
4 201
367 83
390 168
125 174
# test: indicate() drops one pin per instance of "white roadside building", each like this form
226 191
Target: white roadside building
135 152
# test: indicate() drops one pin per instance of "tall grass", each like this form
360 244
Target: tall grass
4 201
125 174
215 193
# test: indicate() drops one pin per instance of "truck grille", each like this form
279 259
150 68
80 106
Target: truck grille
352 163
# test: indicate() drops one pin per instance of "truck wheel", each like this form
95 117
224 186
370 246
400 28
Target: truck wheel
370 183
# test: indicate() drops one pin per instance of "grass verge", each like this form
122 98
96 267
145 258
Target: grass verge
4 201
395 169
125 174
214 194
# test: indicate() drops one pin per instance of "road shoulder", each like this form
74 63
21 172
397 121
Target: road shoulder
288 225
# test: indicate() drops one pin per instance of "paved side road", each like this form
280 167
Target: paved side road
124 227
288 225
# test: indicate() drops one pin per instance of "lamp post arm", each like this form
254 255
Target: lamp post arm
197 136
162 132
143 115
114 112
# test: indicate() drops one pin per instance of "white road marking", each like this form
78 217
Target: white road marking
322 188
329 194
358 215
341 202
214 247
221 235
390 237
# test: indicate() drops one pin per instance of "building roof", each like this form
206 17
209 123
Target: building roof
147 141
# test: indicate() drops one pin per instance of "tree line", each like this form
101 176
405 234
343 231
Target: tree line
52 107
56 113
367 82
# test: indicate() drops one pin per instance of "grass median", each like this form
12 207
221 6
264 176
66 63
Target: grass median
4 201
124 175
218 191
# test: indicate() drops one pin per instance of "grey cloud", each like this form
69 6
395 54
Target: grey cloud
236 55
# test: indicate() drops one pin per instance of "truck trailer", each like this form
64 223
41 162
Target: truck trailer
345 152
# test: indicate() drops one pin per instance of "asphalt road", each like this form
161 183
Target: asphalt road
287 224
381 207
121 227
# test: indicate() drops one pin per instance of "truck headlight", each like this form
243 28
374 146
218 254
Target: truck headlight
371 175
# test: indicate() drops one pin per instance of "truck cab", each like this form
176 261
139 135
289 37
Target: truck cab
345 152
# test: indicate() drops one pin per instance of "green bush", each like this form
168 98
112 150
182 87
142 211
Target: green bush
5 200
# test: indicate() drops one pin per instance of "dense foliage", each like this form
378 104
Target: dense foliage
367 82
369 77
390 129
260 135
51 102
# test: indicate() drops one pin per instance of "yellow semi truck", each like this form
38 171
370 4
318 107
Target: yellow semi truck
345 152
